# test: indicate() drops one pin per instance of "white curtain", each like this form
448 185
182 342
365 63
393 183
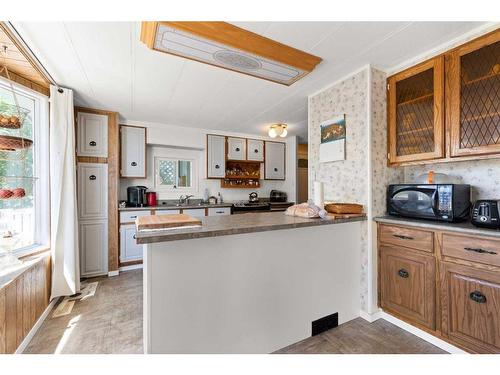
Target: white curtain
63 206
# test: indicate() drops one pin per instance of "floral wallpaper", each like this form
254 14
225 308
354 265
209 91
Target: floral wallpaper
482 175
349 180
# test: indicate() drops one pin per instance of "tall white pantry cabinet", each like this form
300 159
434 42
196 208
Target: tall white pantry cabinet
92 193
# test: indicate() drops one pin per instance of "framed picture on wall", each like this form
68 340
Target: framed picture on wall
333 137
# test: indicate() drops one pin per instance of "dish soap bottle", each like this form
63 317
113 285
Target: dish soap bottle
219 198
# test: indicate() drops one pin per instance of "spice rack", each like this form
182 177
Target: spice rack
241 175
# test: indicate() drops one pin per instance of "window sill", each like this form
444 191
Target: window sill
11 274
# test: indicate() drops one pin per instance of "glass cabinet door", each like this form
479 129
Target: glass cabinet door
415 99
473 106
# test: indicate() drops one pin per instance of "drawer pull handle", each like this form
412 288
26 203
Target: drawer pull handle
92 177
133 217
403 273
479 250
134 237
478 297
219 212
92 143
403 237
133 164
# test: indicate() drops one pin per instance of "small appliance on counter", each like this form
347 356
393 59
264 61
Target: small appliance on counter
151 198
486 213
136 196
442 202
277 196
253 197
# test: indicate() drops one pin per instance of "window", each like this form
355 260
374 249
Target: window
24 210
174 173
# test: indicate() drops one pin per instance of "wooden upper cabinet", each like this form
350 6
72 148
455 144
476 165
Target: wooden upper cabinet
473 97
416 113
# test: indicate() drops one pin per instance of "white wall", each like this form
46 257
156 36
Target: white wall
170 140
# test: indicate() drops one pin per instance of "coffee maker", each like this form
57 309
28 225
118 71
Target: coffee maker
136 196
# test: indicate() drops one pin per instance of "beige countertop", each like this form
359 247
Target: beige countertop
213 226
462 227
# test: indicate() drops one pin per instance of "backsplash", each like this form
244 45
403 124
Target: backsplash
482 175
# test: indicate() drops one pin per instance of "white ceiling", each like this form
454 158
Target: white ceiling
109 68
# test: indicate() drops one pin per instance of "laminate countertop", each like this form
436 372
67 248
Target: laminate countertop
213 226
462 227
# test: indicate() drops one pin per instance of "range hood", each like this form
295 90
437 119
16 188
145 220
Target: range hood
230 47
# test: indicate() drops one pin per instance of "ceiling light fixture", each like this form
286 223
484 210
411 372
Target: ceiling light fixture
276 130
230 47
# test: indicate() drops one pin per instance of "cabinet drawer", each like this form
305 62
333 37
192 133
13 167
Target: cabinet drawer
471 313
194 212
130 216
219 211
407 237
474 249
408 281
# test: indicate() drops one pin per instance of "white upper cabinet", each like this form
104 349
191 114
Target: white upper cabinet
236 148
92 190
255 150
92 135
275 161
216 159
133 151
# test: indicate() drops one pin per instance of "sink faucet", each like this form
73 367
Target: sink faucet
185 199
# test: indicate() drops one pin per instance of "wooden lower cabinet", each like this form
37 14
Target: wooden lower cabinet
471 307
408 285
451 290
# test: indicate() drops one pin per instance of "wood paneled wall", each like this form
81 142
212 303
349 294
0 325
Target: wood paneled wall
22 302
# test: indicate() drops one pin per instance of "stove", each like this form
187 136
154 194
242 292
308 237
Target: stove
244 207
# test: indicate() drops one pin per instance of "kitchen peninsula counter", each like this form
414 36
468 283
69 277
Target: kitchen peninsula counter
239 224
249 283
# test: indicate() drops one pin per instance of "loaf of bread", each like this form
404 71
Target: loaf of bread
307 210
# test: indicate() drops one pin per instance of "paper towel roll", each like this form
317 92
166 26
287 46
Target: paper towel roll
318 194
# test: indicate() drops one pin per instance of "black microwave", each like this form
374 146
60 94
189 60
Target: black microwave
443 202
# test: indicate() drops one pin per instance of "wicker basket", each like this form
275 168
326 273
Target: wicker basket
344 208
11 116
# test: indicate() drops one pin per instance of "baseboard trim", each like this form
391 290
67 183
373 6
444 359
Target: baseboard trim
441 344
113 273
370 317
24 344
131 267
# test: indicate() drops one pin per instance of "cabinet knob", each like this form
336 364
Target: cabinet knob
256 151
276 169
133 164
92 143
92 177
403 273
477 296
134 237
217 166
237 149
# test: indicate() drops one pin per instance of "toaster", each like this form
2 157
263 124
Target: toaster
485 213
277 196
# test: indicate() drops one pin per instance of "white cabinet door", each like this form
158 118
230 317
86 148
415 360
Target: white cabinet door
236 148
129 249
194 212
219 211
275 161
92 135
92 190
216 160
93 240
255 150
133 151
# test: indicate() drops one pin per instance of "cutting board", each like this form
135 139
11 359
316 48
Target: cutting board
165 221
344 216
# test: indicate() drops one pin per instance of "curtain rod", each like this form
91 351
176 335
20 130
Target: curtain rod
27 48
